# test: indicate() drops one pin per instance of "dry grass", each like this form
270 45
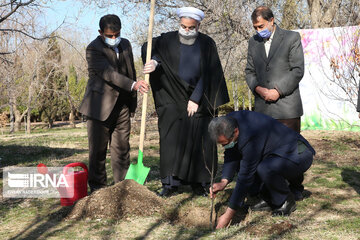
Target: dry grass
330 210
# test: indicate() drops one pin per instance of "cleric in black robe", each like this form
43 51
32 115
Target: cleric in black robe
188 86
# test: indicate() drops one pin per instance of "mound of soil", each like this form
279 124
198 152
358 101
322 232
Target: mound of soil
118 201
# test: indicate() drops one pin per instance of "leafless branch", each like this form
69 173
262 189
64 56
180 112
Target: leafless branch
13 10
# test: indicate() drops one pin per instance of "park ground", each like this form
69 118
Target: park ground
330 210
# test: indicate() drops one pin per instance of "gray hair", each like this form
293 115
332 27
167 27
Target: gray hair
222 126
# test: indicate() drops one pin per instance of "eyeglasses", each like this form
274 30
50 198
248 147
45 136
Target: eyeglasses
190 27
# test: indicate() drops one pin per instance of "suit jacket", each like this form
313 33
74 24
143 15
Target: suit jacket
106 82
259 137
282 69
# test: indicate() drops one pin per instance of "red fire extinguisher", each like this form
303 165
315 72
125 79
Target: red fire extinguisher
77 181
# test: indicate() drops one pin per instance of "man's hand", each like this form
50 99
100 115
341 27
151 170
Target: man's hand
272 95
225 219
192 108
262 91
218 187
141 86
150 66
269 95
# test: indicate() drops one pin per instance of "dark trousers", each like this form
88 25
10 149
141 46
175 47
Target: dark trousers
294 124
115 131
279 175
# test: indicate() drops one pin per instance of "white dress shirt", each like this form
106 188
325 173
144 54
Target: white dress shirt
268 43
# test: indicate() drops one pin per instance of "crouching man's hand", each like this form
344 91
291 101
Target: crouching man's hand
225 219
218 187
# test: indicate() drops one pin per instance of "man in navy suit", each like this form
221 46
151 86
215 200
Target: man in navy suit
262 150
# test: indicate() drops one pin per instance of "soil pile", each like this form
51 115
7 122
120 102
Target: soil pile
118 201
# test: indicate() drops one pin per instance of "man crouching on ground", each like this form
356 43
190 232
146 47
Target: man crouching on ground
267 155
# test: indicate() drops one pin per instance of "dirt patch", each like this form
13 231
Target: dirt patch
194 217
118 201
273 229
339 147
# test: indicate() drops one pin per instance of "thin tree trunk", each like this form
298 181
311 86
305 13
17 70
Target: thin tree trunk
249 95
12 118
17 119
72 118
72 107
235 97
28 130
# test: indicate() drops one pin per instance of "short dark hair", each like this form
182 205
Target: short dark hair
262 11
222 126
110 21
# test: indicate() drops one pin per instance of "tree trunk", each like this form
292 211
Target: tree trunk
72 118
12 118
17 114
323 18
28 130
50 124
235 97
315 13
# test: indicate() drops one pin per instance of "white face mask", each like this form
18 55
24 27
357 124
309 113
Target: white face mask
188 34
112 42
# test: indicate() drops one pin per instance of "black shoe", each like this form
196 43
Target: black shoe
261 206
285 209
199 190
298 196
167 192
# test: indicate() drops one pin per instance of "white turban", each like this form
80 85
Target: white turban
190 12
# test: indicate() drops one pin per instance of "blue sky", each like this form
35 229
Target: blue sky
84 19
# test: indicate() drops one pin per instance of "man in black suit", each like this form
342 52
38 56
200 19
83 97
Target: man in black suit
262 150
109 100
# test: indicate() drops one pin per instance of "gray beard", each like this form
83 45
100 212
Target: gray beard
187 41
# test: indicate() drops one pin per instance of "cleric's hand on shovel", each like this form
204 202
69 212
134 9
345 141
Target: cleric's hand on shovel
150 66
141 86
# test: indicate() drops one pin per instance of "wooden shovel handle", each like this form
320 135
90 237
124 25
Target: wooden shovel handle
147 76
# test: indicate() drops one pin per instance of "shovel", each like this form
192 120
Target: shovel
138 171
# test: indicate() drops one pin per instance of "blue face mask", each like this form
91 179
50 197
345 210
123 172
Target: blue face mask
230 145
266 33
112 42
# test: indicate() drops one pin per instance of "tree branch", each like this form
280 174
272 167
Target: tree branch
18 5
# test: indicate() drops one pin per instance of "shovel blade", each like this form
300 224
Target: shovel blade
138 172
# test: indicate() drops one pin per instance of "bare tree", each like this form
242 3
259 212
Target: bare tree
333 13
345 66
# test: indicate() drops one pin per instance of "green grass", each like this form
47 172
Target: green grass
329 212
351 225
